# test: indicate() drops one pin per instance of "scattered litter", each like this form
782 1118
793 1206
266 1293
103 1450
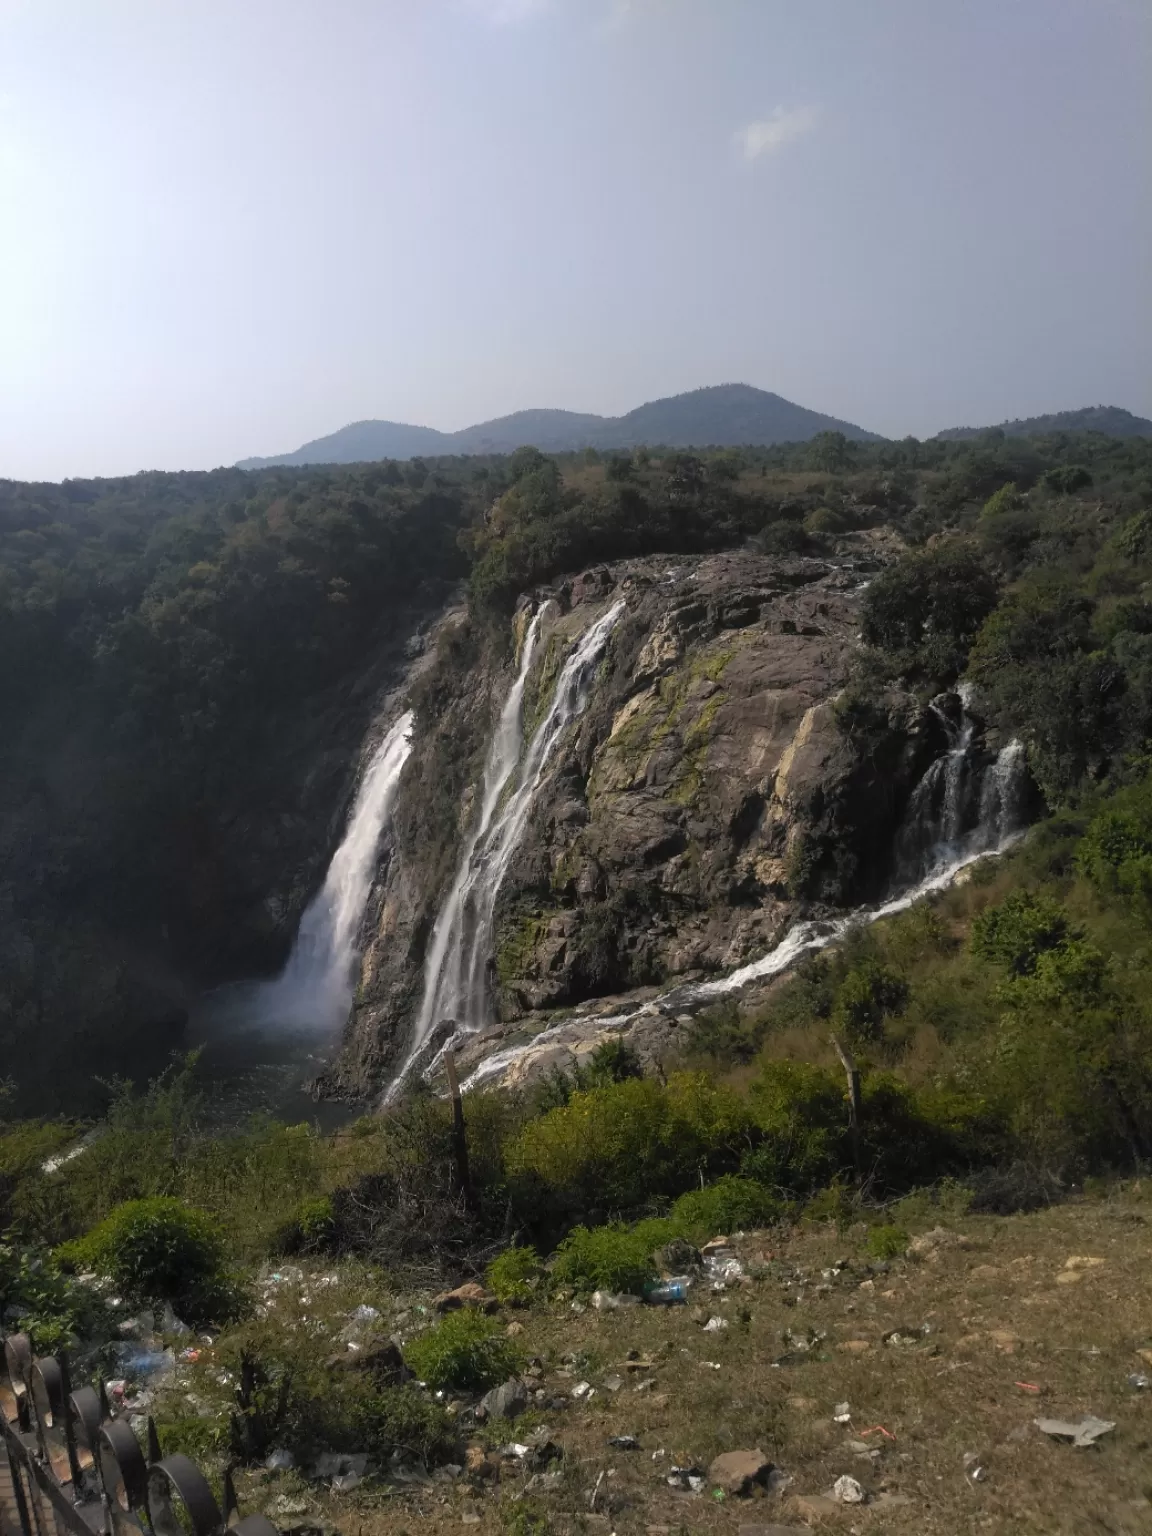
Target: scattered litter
846 1490
711 1365
583 1390
972 1467
686 1479
842 1414
1026 1386
280 1461
189 1356
1140 1381
668 1292
715 1325
905 1336
364 1314
877 1429
514 1451
1087 1432
624 1442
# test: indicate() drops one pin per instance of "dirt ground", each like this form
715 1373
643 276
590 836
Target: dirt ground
998 1322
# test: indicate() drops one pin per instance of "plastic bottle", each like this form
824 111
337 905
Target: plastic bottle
669 1292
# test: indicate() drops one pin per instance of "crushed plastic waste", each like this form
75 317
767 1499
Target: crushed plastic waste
613 1301
846 1490
1086 1432
583 1390
715 1325
1140 1381
842 1414
624 1442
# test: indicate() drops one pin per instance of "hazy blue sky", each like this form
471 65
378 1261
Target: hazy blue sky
227 226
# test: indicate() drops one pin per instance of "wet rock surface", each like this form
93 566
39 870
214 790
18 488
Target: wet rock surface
707 794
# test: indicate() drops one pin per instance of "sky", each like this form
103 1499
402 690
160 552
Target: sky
230 226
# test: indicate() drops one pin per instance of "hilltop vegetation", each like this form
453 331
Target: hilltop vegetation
1112 419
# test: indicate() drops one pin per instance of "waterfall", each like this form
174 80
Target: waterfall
455 973
315 989
935 803
964 804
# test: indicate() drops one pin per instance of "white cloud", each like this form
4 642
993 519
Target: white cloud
503 12
770 134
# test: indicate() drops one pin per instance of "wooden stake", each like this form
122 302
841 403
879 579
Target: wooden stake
459 1132
852 1073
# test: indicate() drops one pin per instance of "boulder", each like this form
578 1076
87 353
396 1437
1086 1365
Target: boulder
470 1294
504 1402
738 1472
379 1358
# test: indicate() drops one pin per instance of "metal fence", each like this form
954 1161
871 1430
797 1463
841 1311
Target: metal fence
70 1467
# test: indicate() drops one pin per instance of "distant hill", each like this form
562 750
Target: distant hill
725 415
1113 420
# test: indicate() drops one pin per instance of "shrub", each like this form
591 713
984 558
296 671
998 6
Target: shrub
731 1204
515 1275
310 1230
52 1308
610 1258
466 1351
1019 930
800 1111
1116 851
622 1145
159 1250
887 1242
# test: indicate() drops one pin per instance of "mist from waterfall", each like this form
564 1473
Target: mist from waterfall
456 970
962 809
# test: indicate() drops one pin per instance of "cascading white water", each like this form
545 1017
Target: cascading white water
998 827
314 991
960 804
455 974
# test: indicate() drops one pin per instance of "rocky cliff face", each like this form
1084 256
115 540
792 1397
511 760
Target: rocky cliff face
708 793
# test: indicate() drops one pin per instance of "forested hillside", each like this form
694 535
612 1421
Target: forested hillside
192 660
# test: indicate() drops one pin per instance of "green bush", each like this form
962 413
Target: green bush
887 1242
1019 930
801 1113
1116 851
159 1250
52 1308
732 1204
465 1350
621 1146
515 1276
609 1258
